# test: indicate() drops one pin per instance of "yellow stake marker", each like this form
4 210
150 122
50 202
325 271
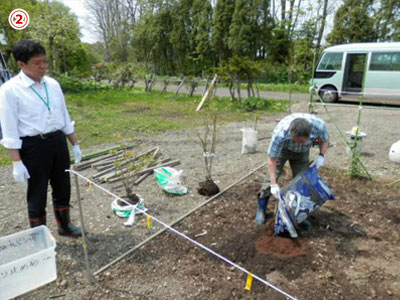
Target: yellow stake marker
148 222
90 186
249 282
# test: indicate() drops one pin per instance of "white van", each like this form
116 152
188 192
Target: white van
369 69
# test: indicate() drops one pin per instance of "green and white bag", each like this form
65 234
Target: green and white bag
169 180
124 211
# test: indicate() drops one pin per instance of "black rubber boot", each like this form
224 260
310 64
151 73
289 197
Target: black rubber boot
65 227
35 222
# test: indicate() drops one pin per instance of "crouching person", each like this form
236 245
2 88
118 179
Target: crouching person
291 141
35 124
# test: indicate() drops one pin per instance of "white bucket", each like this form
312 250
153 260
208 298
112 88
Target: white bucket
27 261
352 139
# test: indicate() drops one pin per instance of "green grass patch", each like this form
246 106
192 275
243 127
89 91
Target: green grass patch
103 115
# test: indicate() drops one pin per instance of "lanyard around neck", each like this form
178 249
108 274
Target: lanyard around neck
47 103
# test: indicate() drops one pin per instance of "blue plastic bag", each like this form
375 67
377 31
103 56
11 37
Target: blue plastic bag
303 195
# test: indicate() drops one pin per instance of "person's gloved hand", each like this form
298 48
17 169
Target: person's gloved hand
320 161
275 190
77 153
20 172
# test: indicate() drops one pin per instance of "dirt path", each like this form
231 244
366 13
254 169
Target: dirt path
109 238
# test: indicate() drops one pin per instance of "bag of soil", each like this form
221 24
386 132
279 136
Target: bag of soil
169 180
249 140
303 195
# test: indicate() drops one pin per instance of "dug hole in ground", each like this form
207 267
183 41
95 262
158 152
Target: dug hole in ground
351 252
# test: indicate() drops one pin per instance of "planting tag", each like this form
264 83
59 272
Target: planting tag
148 222
249 282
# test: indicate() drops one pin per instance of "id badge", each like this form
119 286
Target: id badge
52 120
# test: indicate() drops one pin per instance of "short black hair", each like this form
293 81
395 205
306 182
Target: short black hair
300 127
24 50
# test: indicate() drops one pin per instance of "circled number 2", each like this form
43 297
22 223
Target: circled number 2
19 17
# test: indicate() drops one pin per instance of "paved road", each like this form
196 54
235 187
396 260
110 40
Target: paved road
224 92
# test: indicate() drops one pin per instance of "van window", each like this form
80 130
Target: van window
331 61
385 61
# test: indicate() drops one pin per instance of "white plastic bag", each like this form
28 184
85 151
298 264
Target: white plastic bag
124 211
169 180
394 153
249 141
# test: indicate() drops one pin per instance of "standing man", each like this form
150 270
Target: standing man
35 124
291 141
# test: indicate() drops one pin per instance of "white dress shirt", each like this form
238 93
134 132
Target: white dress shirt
23 113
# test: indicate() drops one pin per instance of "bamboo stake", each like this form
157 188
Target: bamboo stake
115 176
103 152
144 176
89 274
209 91
113 168
87 164
107 160
394 182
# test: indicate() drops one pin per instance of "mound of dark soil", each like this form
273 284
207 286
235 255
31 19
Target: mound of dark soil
208 188
133 199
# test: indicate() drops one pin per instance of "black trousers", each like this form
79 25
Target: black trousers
46 161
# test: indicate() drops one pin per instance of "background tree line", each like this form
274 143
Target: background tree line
241 39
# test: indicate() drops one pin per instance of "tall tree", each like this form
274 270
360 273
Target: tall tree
202 25
220 33
241 35
181 35
53 25
321 19
353 23
387 20
111 19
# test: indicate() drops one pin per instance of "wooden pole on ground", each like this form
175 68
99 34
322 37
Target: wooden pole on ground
89 274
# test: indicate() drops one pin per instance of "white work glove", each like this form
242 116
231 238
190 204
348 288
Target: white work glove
73 126
20 172
77 153
320 161
275 190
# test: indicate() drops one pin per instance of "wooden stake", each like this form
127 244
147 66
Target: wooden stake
207 94
116 177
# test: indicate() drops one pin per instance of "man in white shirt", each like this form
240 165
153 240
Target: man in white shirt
35 123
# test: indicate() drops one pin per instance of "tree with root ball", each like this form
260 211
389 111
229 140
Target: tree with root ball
208 142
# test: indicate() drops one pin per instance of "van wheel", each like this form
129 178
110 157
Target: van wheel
329 94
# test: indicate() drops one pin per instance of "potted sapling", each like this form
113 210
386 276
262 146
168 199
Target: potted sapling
127 165
208 142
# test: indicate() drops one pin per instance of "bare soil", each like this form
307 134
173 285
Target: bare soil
351 251
352 248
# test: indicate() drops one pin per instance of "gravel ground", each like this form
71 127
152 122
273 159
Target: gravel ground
108 238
